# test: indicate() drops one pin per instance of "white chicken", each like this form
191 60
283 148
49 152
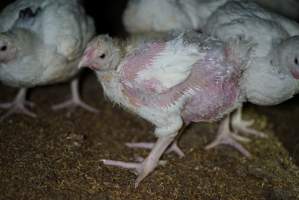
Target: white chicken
165 15
41 43
178 79
188 78
275 53
226 19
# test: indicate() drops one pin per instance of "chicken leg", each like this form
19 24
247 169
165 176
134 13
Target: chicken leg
149 164
18 105
242 126
147 145
230 137
75 101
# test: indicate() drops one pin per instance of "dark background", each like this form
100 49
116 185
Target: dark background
107 15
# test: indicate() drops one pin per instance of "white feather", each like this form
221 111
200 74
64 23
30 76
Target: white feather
54 41
173 65
165 15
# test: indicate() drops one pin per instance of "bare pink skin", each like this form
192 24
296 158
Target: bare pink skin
214 81
142 58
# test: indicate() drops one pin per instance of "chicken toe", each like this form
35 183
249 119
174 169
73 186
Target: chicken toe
145 167
18 105
227 137
242 126
75 101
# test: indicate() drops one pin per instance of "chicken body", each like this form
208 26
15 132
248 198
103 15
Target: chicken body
248 19
40 44
274 65
165 15
273 83
169 82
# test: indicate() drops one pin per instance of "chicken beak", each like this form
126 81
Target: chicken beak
86 60
83 62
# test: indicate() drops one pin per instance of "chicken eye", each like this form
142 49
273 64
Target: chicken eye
103 56
3 48
296 61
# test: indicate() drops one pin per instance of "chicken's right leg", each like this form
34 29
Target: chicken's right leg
18 105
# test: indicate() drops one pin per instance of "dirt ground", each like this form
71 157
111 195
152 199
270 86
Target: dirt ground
56 157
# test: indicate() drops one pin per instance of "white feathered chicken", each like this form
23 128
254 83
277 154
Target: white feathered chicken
180 79
186 78
226 19
275 61
165 15
41 43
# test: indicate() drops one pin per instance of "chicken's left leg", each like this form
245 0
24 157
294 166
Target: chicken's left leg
75 101
18 105
147 145
150 163
242 126
227 137
231 137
